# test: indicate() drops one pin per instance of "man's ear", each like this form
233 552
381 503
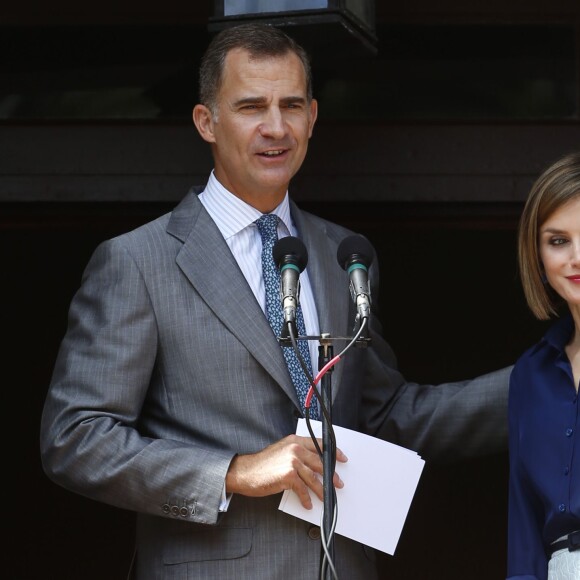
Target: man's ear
313 115
203 120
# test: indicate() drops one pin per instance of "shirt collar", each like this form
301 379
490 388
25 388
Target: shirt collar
559 333
231 214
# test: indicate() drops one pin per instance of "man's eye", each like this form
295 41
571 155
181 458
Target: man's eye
249 107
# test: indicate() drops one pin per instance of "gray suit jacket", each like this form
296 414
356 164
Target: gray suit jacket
169 368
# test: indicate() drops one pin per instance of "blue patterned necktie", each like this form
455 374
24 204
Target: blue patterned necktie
268 228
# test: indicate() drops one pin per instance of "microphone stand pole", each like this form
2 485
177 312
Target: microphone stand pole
325 355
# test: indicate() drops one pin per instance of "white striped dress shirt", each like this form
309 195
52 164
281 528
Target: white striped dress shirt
235 220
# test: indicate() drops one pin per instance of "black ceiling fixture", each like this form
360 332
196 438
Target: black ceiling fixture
328 27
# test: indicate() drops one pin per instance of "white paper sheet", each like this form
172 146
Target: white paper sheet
380 480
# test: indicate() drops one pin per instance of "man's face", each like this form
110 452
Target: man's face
260 134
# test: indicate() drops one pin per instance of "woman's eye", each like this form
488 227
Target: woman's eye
557 241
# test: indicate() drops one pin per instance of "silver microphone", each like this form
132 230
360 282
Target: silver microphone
355 255
291 257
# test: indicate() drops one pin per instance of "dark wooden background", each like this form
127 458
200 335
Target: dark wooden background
439 197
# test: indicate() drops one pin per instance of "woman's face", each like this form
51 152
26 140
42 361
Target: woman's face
559 243
262 126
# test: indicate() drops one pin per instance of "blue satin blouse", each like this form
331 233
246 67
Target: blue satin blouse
544 453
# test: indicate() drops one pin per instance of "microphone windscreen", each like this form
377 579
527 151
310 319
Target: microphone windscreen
355 248
290 250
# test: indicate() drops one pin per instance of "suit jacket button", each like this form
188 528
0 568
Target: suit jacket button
175 510
314 533
183 512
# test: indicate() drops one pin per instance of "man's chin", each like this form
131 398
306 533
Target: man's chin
274 180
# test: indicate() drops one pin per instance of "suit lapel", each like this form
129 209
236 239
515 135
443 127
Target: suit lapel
206 260
329 285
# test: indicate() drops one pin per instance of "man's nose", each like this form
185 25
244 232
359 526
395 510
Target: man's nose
273 124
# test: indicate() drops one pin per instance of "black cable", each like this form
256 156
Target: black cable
326 561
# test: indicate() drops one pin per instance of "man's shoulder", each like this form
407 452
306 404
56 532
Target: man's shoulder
332 229
182 212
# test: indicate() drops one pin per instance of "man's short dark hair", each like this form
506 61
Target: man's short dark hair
260 40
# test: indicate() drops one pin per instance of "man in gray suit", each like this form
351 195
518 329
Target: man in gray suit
171 396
